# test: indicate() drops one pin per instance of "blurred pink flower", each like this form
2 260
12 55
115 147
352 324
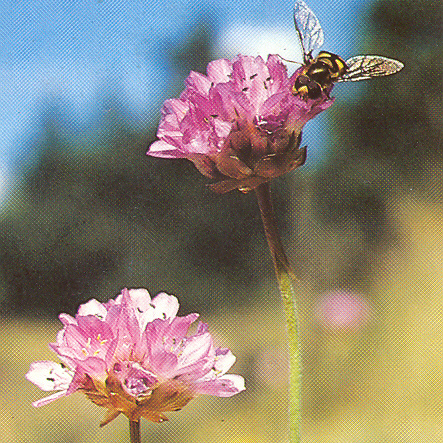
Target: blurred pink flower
240 124
132 355
343 310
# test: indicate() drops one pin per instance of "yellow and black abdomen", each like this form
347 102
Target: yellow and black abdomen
335 65
319 74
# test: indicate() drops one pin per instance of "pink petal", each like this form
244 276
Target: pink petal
49 376
165 150
66 319
93 307
152 337
50 398
222 128
95 368
224 360
138 299
196 348
179 327
194 371
166 306
202 328
177 107
199 82
164 364
225 386
219 71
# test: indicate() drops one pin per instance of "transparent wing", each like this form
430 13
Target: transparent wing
363 67
308 28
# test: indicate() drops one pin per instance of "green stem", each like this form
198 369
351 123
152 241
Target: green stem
134 431
284 274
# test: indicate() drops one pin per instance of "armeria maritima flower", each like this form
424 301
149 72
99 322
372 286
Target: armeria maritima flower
240 124
132 355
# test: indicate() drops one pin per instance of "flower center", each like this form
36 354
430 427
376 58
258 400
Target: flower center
134 379
94 346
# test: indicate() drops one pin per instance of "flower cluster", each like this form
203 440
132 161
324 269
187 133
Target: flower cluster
132 355
240 124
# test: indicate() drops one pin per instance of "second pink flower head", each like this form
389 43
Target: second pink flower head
134 356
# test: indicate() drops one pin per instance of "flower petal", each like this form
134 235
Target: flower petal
49 399
166 306
224 360
219 71
93 307
49 376
164 150
225 386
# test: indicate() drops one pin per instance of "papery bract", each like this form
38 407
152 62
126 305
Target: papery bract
133 355
240 124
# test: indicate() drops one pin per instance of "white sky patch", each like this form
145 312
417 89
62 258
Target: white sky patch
258 40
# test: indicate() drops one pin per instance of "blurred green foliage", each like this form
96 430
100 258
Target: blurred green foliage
95 213
395 127
387 140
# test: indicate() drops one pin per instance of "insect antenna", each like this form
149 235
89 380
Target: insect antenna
289 61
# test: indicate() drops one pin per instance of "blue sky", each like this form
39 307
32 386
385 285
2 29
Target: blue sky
71 50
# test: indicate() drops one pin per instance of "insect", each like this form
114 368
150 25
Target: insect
320 73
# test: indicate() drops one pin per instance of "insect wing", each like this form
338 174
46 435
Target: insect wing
363 67
308 28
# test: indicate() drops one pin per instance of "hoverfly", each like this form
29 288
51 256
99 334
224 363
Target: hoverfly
321 72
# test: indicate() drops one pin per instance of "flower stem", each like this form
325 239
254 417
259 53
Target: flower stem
134 431
284 274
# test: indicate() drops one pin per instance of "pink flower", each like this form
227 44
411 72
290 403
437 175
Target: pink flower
240 124
343 310
132 355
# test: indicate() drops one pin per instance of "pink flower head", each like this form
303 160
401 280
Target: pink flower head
133 355
240 124
343 310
